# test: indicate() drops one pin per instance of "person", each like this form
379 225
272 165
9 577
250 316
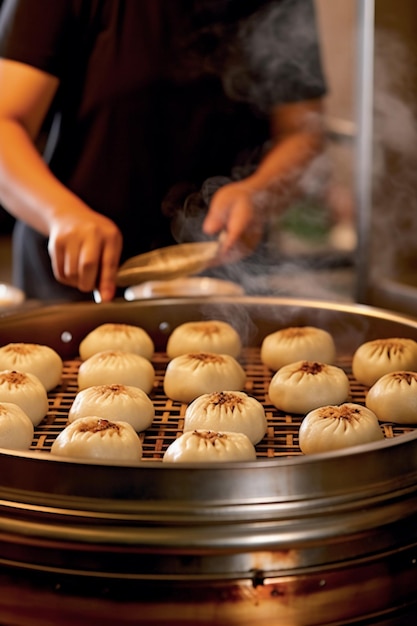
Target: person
119 117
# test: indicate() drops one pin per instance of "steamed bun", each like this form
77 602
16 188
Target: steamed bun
377 357
393 397
190 375
119 337
206 446
93 437
116 367
231 411
42 361
334 427
204 336
16 428
129 404
306 385
25 390
297 343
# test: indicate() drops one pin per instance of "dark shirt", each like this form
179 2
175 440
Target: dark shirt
157 96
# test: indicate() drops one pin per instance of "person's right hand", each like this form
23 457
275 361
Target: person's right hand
84 246
85 249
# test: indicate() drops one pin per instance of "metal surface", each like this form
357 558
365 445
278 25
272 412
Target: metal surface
288 539
397 293
188 287
364 141
281 439
10 296
167 263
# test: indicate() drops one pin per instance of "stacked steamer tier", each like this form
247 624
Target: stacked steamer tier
313 539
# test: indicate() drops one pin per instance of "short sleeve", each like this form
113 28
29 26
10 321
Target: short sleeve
36 32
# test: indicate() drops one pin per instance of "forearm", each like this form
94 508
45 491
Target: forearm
83 245
241 209
28 189
291 153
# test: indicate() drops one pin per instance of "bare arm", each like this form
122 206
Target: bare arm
241 209
84 246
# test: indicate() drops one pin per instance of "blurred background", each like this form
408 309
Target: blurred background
306 229
322 244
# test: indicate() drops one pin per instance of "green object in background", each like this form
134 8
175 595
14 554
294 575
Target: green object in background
307 219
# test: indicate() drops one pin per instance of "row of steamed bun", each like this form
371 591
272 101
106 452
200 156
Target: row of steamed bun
112 405
218 425
116 372
304 381
313 386
27 373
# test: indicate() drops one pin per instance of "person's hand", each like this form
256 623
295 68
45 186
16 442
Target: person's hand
240 210
238 213
85 249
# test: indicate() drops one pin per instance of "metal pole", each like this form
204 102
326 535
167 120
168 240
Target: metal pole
364 141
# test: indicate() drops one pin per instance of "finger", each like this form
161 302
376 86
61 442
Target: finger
239 224
57 260
64 256
88 266
109 265
217 215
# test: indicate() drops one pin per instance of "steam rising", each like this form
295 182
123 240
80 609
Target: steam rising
394 215
268 62
394 211
265 65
